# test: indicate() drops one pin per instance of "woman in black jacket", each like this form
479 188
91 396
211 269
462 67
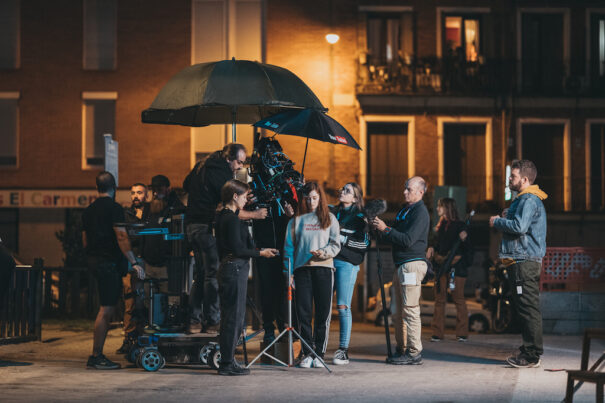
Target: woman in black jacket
235 247
354 241
449 229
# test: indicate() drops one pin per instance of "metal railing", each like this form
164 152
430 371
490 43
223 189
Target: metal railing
487 77
20 309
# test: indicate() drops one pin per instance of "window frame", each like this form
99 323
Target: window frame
95 96
115 44
18 40
14 95
442 12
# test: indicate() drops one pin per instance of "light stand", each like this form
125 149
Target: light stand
289 330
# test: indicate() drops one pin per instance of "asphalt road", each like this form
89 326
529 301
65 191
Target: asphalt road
55 370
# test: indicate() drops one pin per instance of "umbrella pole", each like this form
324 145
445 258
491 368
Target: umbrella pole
233 135
305 157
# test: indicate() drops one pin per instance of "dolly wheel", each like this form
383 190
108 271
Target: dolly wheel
215 359
151 360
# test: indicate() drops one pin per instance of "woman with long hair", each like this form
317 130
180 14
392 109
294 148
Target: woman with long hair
354 242
449 228
235 248
312 242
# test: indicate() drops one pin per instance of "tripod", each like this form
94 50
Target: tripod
289 330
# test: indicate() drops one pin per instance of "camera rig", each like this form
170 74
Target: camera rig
274 178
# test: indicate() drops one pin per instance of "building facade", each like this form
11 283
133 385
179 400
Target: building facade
450 90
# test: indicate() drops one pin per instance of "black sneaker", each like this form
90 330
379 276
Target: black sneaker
462 339
341 357
523 361
435 339
398 354
407 359
232 370
101 362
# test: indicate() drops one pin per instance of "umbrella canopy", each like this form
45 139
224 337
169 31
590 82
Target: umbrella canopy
228 91
309 123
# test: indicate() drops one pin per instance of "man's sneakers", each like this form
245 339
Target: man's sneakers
317 363
435 339
404 358
462 339
232 369
101 362
523 361
341 357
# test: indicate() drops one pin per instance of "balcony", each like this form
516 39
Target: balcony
491 77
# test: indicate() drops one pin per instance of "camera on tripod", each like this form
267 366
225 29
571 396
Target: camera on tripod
274 178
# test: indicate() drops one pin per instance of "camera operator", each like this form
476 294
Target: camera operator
270 233
235 247
132 286
106 247
204 184
155 249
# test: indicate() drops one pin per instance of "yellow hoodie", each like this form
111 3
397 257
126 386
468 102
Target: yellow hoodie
534 190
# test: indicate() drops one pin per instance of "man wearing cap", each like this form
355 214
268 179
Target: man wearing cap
204 184
155 250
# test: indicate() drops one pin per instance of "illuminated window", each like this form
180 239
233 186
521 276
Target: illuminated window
98 114
390 38
9 114
9 34
100 32
462 36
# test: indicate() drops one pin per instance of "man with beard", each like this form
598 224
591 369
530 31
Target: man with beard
523 246
204 184
155 250
132 286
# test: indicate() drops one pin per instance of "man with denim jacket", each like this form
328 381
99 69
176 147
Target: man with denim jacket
523 246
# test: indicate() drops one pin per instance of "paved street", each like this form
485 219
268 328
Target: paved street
54 370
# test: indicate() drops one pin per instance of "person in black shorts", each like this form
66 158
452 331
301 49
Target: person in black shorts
108 253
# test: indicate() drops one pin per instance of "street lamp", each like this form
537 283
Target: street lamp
332 38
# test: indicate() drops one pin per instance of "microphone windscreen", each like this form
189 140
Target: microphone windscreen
375 207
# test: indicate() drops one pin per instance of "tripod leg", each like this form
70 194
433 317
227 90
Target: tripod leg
244 346
384 305
313 353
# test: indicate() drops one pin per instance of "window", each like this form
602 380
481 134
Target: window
597 51
390 38
100 32
9 34
98 113
543 52
462 37
9 117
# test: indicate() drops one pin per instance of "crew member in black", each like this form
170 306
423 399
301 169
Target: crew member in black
106 247
132 286
235 247
204 185
270 233
155 249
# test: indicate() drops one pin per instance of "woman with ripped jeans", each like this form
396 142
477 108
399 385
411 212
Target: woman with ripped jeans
354 242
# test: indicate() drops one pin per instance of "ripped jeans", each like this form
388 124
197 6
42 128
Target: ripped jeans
344 282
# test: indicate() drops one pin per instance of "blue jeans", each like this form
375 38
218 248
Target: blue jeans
345 277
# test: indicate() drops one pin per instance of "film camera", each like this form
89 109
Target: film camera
274 178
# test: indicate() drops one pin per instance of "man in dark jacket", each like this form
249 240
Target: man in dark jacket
409 238
204 184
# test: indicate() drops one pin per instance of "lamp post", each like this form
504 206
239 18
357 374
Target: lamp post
332 39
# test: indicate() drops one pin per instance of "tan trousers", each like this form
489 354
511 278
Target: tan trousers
438 323
133 303
408 327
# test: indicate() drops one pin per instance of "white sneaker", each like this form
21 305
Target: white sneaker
317 363
306 362
341 357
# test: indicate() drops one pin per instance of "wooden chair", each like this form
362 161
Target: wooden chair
585 374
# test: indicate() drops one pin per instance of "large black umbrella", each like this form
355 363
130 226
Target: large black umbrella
228 91
309 123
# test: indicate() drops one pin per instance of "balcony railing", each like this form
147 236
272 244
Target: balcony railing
488 77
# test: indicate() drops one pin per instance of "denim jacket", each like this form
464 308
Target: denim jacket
524 228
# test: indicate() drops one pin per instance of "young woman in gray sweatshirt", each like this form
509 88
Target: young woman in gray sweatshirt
312 241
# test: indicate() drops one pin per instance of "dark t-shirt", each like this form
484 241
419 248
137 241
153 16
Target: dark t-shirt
98 221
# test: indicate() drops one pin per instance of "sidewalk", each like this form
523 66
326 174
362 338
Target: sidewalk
54 370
